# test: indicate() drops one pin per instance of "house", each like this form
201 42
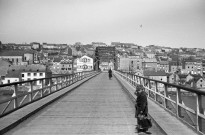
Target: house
32 72
12 76
4 66
176 78
193 67
175 66
84 63
159 75
163 65
27 72
19 57
56 67
139 53
203 66
130 63
135 64
166 49
150 55
89 50
195 81
139 72
123 63
148 63
66 66
35 46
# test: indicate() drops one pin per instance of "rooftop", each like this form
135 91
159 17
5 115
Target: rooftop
154 73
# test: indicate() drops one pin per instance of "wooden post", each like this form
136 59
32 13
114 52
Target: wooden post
31 92
155 91
199 110
42 85
165 95
179 100
51 85
15 95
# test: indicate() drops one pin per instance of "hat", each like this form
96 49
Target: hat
139 87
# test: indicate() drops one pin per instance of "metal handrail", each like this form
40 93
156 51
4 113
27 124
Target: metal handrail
48 86
178 104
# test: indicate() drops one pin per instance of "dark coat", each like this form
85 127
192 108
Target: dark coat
110 73
141 104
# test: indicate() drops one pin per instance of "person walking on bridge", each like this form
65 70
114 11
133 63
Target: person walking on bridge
110 73
141 107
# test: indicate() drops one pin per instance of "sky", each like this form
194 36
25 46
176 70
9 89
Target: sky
171 23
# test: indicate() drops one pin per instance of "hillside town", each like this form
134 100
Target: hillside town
181 66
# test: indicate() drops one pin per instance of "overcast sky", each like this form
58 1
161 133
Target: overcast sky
173 23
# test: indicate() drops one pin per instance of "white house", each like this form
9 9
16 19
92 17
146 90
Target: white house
28 72
11 76
84 63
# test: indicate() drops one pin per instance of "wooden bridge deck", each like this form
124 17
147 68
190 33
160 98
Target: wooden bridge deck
99 106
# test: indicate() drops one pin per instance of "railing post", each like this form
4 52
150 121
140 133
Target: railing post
73 78
150 87
82 75
165 95
15 95
61 81
143 81
78 75
179 100
155 91
50 82
56 83
199 110
66 80
70 79
42 85
31 92
140 80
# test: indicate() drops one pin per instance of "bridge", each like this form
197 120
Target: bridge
90 103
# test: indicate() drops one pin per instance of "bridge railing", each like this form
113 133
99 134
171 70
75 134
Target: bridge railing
19 94
185 103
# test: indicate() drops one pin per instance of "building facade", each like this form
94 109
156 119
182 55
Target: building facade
84 63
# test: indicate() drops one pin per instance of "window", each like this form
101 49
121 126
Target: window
35 74
2 77
41 74
84 60
85 66
29 74
22 75
8 81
